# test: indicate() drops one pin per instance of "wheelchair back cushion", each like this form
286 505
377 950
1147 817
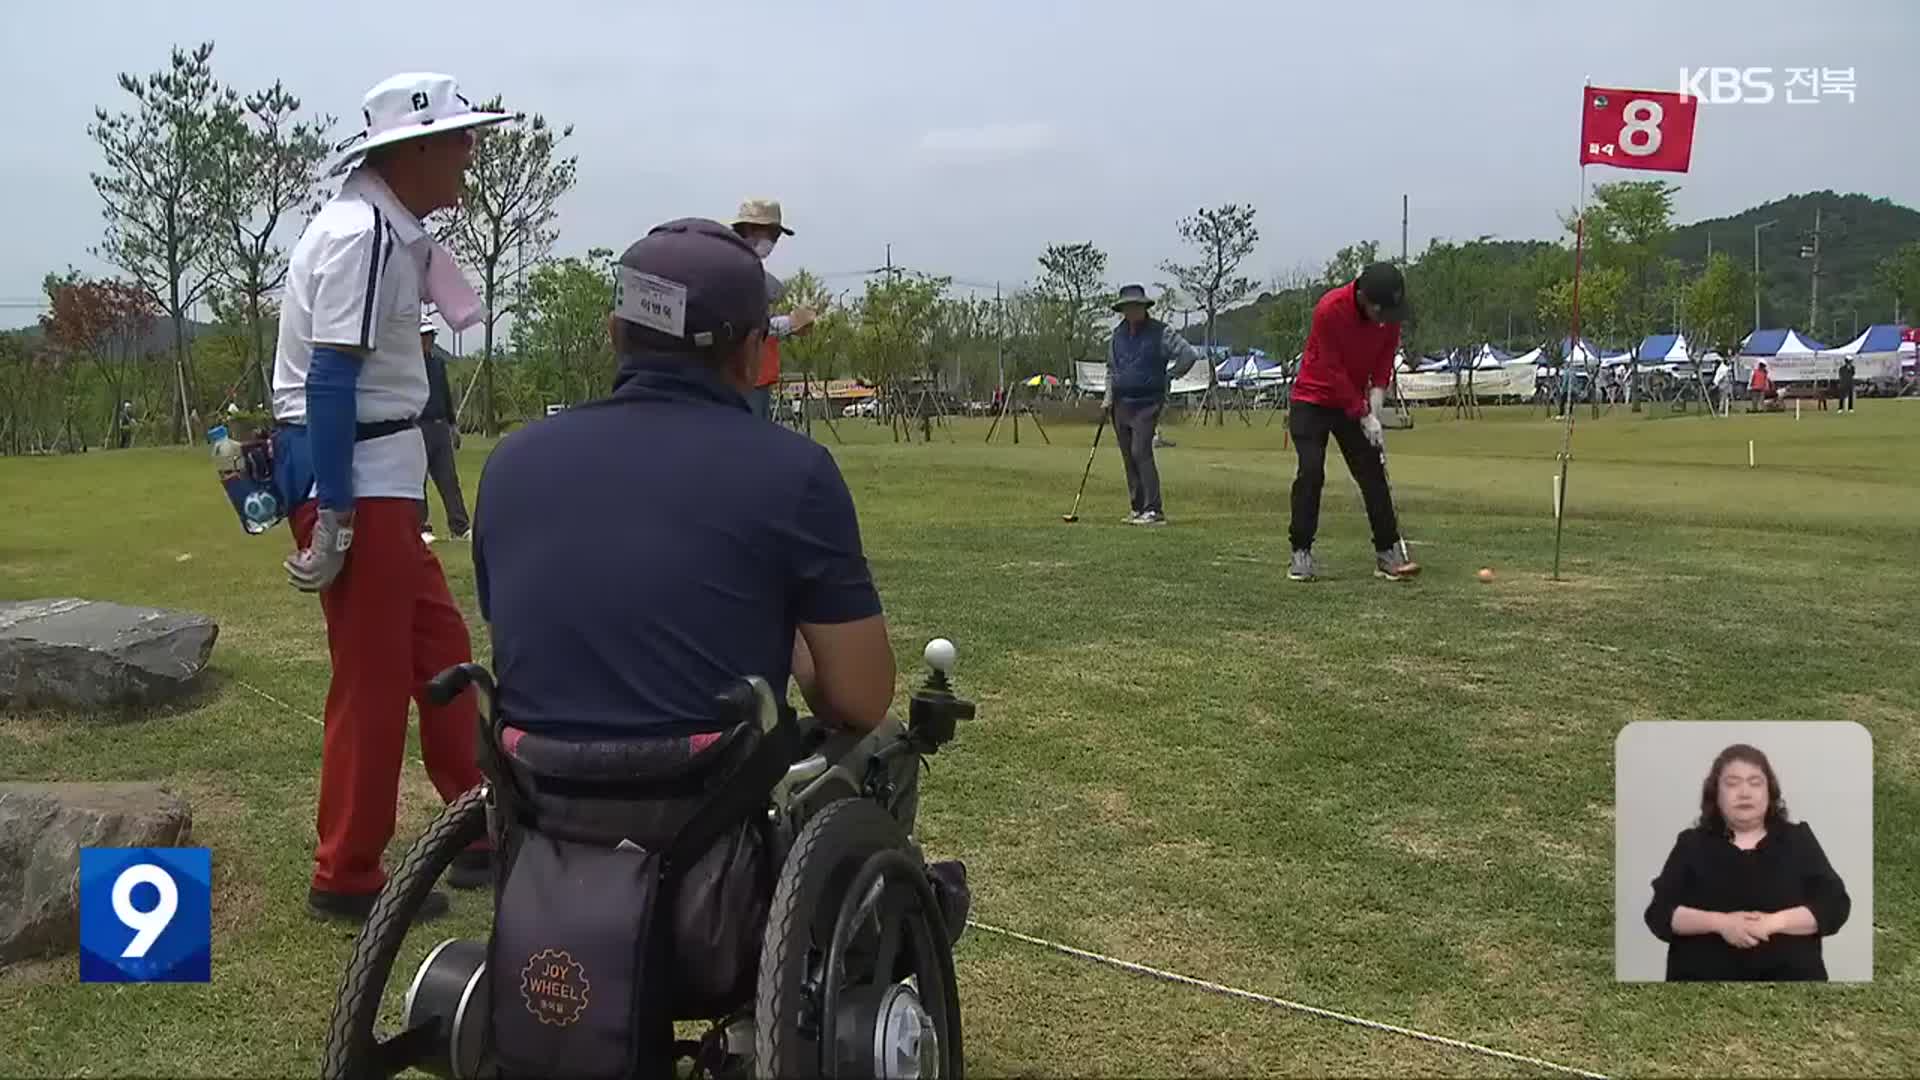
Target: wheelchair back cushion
594 949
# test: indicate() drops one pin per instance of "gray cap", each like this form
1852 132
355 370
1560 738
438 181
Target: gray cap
695 281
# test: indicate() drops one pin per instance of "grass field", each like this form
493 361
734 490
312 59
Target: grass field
1392 800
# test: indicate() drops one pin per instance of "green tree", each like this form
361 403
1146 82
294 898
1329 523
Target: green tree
1718 304
560 333
264 165
1627 228
897 317
503 225
1289 315
153 192
1601 290
1347 263
815 353
1072 285
1224 236
1898 277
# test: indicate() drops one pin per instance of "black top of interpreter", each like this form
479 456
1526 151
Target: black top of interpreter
1708 872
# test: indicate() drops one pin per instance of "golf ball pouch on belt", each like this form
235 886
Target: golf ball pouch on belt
635 881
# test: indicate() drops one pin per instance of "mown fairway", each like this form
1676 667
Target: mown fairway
1393 800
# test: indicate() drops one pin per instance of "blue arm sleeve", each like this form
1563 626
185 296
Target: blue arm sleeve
331 380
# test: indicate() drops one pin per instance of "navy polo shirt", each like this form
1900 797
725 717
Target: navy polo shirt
634 556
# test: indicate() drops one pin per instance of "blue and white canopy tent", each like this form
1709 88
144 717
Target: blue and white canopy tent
1679 375
1789 356
1876 354
1665 350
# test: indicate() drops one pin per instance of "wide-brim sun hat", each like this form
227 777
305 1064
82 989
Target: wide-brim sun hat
761 212
411 105
1132 294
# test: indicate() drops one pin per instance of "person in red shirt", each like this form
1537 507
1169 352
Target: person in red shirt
1340 388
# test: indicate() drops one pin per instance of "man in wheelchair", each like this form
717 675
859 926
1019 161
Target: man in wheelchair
671 840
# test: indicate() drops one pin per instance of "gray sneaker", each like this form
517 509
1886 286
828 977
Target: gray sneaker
1393 566
1132 518
1150 517
1301 568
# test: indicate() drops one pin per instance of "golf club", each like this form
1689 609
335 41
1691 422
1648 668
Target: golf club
1395 503
1074 515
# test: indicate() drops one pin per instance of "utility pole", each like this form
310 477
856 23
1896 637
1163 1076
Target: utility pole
1813 304
1000 337
1756 268
1403 232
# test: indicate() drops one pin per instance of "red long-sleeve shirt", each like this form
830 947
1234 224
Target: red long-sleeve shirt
1345 354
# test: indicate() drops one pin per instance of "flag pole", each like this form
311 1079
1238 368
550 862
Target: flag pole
1573 348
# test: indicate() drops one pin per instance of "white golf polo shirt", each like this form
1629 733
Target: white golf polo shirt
355 281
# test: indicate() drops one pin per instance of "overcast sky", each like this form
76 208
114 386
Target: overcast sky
971 134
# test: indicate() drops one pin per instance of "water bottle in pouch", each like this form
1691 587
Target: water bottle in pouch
252 497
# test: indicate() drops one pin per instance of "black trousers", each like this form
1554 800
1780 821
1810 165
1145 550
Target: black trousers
1310 425
1846 395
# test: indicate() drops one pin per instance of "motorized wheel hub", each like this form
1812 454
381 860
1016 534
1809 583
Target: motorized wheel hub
889 1037
449 993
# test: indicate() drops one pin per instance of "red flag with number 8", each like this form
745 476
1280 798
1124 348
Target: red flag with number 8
1637 129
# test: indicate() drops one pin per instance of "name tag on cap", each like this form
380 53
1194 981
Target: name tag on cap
653 302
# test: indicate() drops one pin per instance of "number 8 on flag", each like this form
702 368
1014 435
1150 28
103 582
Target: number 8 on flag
1637 129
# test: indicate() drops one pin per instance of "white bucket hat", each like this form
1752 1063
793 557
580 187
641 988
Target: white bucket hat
411 105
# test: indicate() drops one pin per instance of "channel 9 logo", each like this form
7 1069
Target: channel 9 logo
146 914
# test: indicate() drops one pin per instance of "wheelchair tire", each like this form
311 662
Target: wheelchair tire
835 847
353 1052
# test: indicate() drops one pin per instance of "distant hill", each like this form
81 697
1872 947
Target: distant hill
159 339
1856 232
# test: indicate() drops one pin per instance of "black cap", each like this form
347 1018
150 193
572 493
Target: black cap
1384 286
692 281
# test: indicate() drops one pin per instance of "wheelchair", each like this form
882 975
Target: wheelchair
744 878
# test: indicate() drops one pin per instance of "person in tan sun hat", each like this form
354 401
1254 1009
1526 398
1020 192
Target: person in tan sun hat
758 222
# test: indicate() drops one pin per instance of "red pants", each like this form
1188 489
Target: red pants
391 626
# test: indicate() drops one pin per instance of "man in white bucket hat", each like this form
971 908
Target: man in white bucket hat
349 387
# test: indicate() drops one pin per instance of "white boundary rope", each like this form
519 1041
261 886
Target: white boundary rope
307 716
1264 999
1188 980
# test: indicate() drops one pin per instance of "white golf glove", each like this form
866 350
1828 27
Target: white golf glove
1370 426
316 567
1106 400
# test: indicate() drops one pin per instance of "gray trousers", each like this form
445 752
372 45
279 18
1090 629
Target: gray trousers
1133 424
446 477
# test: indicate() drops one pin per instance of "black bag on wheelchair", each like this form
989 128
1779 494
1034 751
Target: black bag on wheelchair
634 883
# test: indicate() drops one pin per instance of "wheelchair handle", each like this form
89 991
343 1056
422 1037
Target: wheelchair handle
444 687
751 698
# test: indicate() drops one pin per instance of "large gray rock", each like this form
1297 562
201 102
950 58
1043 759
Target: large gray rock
93 653
42 829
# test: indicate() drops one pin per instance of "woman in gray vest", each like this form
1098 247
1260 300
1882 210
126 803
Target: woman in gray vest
1144 358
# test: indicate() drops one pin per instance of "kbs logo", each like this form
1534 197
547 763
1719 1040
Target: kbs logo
146 914
1758 85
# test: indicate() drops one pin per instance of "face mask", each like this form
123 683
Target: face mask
763 247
